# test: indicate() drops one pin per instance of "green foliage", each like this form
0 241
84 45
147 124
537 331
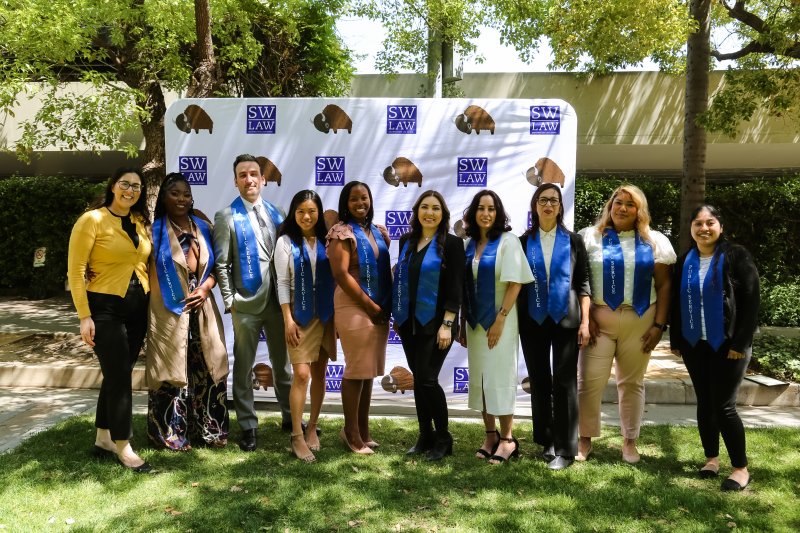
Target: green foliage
777 357
36 212
780 305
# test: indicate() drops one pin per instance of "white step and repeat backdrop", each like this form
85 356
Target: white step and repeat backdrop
400 147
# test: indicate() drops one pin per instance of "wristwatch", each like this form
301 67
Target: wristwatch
662 327
447 323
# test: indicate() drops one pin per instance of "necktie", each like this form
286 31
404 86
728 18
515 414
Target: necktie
265 232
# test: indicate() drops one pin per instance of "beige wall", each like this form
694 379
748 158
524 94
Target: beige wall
629 122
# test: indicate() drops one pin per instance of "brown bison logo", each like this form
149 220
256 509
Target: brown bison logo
399 379
458 229
333 118
526 385
194 118
269 170
545 171
474 118
262 376
404 171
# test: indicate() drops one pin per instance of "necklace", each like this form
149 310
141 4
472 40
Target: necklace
426 239
179 228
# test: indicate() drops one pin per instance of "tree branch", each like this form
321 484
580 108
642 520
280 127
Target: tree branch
752 48
738 12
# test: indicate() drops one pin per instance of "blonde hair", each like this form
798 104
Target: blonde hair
604 221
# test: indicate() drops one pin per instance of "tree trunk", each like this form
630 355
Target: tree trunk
698 53
434 78
205 78
154 167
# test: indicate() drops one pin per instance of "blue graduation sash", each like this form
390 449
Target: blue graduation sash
480 301
312 296
549 298
168 279
427 287
614 272
712 302
374 274
247 243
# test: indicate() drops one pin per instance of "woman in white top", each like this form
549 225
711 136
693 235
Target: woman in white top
496 269
629 266
305 293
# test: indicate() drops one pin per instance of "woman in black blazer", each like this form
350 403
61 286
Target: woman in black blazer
715 300
554 314
426 296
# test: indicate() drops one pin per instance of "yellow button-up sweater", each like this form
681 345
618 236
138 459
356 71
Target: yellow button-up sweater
99 242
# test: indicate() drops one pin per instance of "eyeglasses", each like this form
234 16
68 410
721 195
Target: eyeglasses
542 201
125 185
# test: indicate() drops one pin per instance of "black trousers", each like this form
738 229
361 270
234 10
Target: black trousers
554 394
716 381
425 361
120 325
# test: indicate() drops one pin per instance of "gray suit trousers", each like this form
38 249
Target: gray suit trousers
246 328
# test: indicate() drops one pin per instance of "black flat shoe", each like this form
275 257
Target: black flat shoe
143 468
249 441
102 453
548 453
707 473
560 463
730 485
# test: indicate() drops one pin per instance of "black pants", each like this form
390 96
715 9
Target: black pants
716 381
554 394
120 325
425 361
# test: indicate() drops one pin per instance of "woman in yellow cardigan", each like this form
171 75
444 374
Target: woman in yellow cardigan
111 241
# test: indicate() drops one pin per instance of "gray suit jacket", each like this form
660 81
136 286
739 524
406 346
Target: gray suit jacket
229 276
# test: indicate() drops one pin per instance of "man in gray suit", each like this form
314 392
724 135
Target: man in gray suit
244 242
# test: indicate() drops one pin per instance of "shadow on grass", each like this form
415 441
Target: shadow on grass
52 475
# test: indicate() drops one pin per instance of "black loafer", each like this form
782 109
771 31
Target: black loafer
102 453
249 441
143 468
548 453
560 463
706 473
730 485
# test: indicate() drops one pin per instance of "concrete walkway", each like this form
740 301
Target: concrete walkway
34 397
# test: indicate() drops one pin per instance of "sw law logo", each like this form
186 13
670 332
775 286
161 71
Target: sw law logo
394 338
333 378
473 171
329 170
398 223
261 119
545 120
194 168
460 380
401 119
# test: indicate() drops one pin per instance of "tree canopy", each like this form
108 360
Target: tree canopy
126 53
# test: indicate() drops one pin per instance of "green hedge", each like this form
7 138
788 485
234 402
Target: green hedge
34 212
777 357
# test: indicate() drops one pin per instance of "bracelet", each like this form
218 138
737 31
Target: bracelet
662 327
503 311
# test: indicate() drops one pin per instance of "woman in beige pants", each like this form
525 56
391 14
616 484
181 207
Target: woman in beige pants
629 267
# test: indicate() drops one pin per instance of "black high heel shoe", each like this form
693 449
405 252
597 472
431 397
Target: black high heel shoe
424 444
499 458
487 455
442 448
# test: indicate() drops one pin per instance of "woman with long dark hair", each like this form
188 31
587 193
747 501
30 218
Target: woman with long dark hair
629 265
111 241
426 296
305 292
495 270
554 314
359 256
714 315
187 359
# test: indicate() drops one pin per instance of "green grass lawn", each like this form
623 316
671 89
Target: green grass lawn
51 483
